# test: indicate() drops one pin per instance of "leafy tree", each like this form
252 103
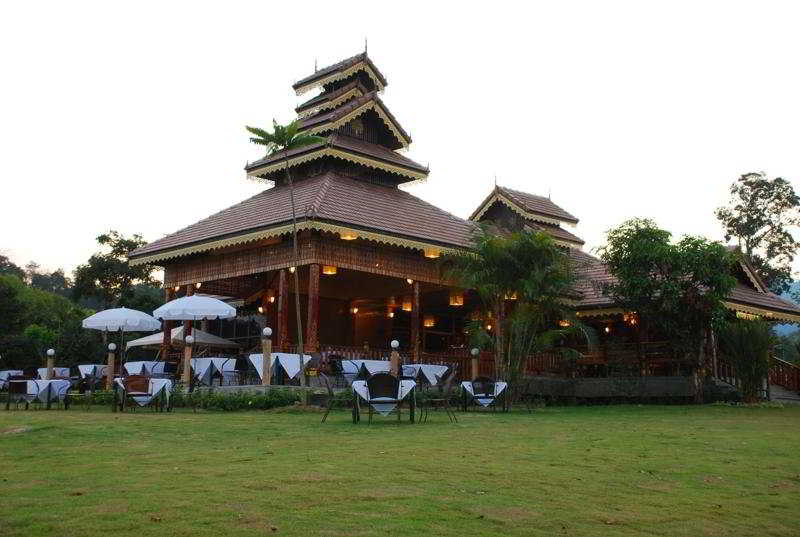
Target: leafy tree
532 268
107 276
760 215
41 337
746 345
283 139
8 267
55 282
11 316
676 288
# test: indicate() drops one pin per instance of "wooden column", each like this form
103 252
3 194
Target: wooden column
110 369
415 316
312 324
166 326
283 310
266 353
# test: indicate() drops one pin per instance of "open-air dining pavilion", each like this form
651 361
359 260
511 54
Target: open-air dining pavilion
372 261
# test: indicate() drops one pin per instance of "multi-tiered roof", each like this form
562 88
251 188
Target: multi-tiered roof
346 184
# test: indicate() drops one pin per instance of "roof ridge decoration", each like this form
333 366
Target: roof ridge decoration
371 102
340 71
497 196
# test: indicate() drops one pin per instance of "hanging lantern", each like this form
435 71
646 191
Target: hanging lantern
489 327
291 269
431 253
608 329
429 321
407 303
630 318
389 313
348 236
456 298
354 310
270 295
511 296
328 269
177 288
260 309
563 323
198 285
409 281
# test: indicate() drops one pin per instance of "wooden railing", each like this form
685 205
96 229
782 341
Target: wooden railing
784 374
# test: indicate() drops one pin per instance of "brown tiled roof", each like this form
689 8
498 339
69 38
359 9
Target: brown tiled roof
537 204
743 294
345 143
593 275
558 233
329 116
339 66
326 96
331 198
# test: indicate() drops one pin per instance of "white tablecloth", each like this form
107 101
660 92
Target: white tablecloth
8 373
204 369
431 372
92 370
289 362
41 389
154 389
144 368
57 372
481 398
383 405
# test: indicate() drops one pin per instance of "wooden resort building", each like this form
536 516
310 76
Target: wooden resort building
371 264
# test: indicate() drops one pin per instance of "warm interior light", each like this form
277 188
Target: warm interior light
177 288
456 298
429 321
563 323
198 285
431 253
348 236
260 309
272 299
291 269
354 310
328 269
390 313
488 327
511 296
608 329
407 303
409 280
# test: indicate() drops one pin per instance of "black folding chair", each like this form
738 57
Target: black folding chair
443 400
332 400
18 391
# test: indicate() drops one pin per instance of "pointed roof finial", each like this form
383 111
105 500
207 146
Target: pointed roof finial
315 65
495 180
365 44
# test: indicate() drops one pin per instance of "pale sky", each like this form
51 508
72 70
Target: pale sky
130 116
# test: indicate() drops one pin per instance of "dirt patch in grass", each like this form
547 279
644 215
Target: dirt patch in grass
16 430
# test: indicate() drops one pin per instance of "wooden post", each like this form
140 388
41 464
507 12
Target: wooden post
187 325
312 325
283 310
474 363
51 362
415 315
266 352
110 362
169 294
394 358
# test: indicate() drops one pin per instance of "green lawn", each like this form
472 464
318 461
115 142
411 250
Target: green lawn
625 470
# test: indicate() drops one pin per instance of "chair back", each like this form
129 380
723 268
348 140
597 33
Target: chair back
483 385
450 375
19 388
136 383
327 383
383 385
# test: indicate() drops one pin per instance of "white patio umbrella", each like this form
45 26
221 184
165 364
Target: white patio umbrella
121 320
194 308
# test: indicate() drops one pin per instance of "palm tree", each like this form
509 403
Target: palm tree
530 269
284 138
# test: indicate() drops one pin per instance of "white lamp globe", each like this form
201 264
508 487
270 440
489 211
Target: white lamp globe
112 347
395 344
51 352
190 340
474 352
267 332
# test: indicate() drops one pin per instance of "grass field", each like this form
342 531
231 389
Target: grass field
624 470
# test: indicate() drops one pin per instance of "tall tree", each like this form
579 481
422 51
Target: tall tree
761 215
108 276
283 139
676 288
530 274
8 267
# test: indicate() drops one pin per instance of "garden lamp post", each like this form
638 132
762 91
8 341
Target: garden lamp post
474 362
266 353
395 357
110 362
51 362
187 359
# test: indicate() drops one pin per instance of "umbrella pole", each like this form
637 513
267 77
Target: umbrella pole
121 343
